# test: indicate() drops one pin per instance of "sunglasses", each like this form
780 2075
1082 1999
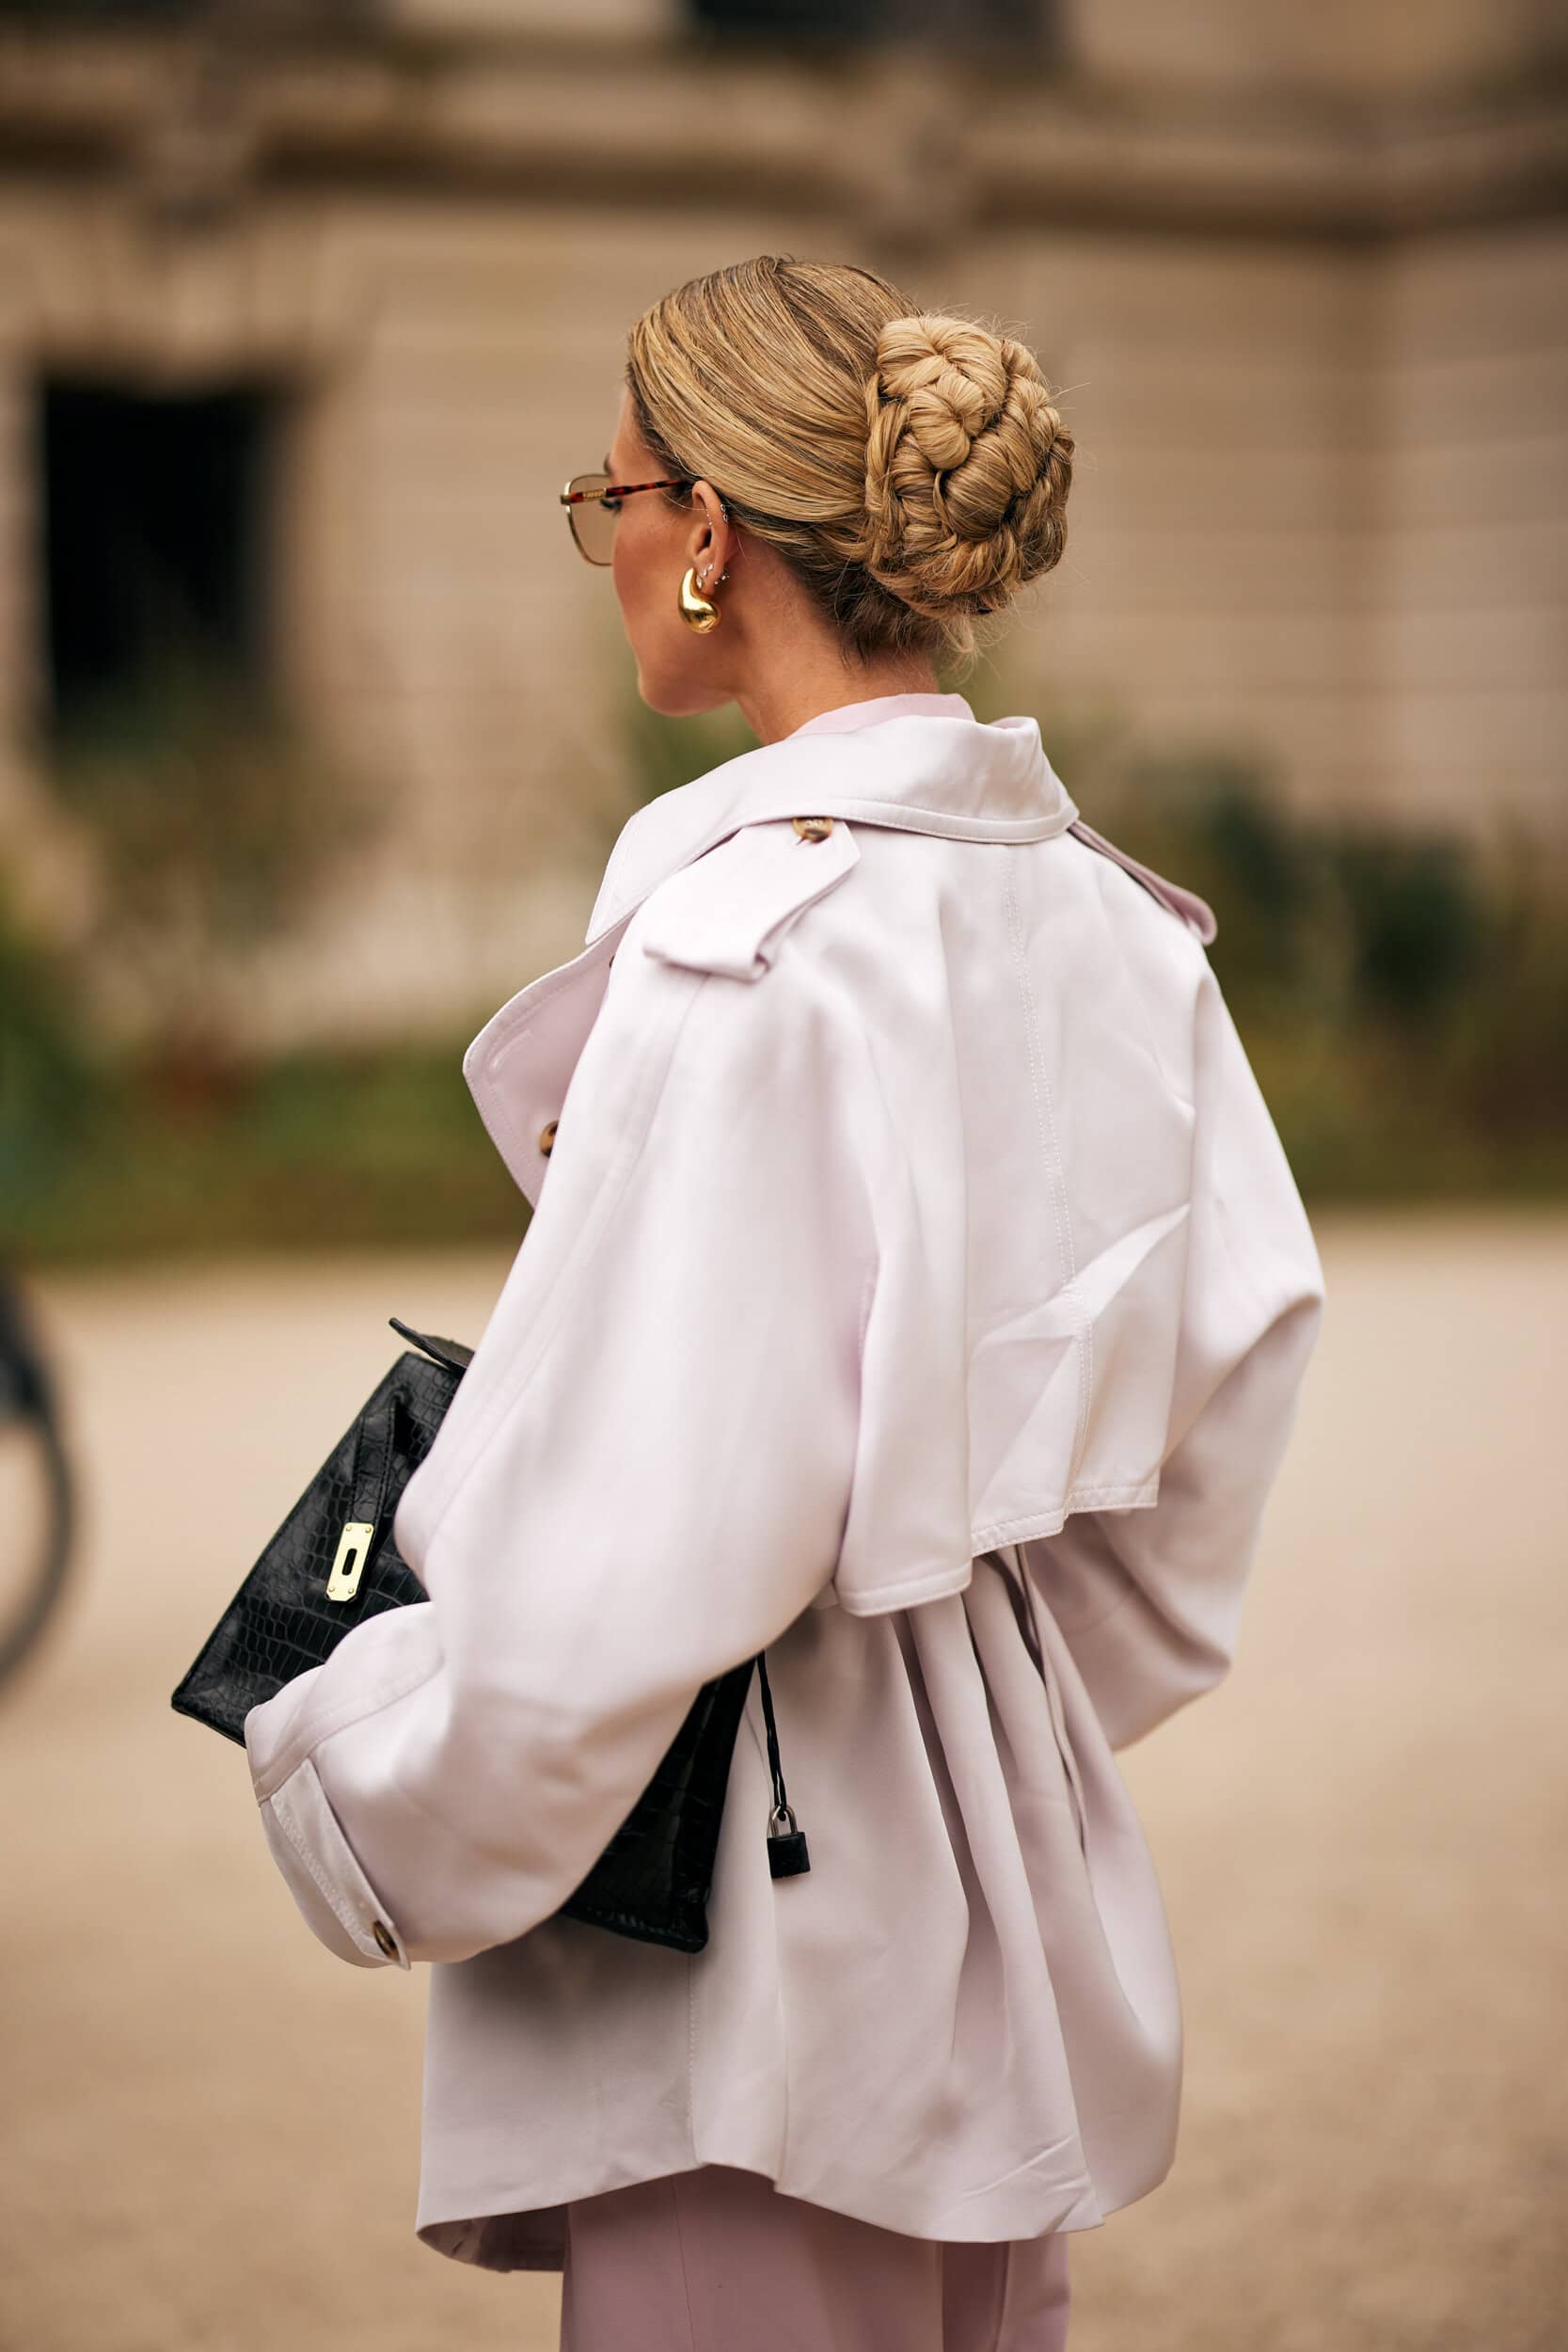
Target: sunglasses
593 502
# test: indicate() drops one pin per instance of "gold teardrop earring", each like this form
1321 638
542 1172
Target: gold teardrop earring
697 610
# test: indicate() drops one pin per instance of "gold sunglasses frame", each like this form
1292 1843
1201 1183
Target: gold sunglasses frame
571 497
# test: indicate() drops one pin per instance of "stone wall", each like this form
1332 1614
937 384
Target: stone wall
1315 357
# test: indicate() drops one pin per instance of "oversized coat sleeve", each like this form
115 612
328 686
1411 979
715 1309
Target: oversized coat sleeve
642 1480
1149 1600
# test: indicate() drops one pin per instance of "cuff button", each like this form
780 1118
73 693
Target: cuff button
384 1936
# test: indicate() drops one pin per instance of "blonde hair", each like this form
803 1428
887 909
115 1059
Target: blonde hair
908 465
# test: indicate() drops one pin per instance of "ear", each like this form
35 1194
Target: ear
711 543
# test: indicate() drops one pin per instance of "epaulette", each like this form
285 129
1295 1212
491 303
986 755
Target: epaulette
728 910
1195 911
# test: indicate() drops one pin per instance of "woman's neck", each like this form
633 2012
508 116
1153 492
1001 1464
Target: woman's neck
777 708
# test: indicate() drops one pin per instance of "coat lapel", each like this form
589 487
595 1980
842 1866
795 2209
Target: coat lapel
519 1066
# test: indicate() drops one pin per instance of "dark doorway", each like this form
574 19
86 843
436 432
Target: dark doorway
154 510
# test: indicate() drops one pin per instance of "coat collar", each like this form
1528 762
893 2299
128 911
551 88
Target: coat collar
925 769
920 769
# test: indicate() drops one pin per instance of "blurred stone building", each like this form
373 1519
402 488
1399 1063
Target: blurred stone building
307 312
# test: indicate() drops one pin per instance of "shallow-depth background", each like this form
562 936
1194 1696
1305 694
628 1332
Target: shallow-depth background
314 733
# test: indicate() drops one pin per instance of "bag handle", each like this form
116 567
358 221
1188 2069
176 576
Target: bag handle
451 1352
370 1475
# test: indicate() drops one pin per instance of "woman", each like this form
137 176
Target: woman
917 1289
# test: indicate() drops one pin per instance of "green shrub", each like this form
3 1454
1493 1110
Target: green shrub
53 1086
212 825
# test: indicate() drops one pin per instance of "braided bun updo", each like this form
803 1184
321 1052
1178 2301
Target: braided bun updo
909 466
967 466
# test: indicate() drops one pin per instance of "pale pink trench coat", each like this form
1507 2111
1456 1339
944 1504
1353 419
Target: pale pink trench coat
917 1286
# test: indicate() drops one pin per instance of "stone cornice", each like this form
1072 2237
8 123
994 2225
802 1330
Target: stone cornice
912 148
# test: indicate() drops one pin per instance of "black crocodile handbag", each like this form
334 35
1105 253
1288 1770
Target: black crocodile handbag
333 1562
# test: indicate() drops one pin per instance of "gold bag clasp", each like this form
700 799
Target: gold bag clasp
354 1550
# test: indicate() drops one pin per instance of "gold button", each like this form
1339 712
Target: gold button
812 828
546 1135
385 1937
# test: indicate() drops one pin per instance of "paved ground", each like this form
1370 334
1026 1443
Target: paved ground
209 2128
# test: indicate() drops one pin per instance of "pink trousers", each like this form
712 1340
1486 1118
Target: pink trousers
717 2261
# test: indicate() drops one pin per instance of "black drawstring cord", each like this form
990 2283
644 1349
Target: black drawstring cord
781 1804
787 1857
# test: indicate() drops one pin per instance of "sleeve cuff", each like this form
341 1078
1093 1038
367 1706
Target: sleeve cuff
336 1899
